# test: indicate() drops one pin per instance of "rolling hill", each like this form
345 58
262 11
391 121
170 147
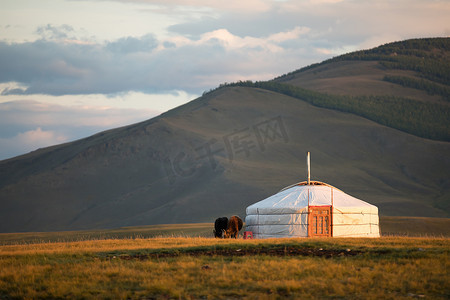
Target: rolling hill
368 132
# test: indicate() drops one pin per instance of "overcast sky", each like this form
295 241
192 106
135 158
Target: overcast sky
69 69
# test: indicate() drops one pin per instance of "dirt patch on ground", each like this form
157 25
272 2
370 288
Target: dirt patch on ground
285 251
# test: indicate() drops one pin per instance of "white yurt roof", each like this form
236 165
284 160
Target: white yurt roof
295 199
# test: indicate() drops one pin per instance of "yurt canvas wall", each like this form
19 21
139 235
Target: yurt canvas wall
317 209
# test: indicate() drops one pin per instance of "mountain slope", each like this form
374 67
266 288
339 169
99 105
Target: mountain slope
216 155
416 68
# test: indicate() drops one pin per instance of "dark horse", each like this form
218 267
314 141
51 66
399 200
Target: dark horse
220 226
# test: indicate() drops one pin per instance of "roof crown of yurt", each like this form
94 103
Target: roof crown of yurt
312 209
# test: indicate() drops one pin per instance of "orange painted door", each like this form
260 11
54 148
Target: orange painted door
319 223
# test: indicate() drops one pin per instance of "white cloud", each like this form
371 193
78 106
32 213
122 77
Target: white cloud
39 138
289 35
232 42
28 141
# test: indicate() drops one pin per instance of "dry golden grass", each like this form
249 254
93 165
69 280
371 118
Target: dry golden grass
385 268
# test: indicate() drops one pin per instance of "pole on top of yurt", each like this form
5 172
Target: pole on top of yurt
308 163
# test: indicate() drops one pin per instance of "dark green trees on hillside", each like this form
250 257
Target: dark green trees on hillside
421 84
429 57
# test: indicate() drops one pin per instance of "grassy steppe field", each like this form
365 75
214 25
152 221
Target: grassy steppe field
183 267
180 262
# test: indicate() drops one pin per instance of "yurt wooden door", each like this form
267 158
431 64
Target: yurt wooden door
319 223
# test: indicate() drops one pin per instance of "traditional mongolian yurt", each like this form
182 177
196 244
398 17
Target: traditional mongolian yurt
312 208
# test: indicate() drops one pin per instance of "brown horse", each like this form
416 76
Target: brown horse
234 226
